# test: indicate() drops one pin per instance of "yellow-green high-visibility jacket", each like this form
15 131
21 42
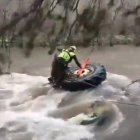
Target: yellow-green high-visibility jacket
66 55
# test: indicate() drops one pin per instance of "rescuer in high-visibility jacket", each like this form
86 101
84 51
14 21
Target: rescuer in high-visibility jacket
60 64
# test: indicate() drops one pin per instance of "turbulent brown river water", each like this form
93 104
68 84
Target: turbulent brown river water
25 102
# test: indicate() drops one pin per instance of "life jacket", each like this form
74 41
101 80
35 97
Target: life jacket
66 55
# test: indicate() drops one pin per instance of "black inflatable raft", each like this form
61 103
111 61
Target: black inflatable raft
90 77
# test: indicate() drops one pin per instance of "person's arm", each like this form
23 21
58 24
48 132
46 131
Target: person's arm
76 61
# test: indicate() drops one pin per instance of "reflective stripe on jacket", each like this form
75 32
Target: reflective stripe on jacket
66 55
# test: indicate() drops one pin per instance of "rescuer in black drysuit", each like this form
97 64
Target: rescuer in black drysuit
60 65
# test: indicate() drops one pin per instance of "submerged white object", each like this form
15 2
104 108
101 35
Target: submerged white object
79 118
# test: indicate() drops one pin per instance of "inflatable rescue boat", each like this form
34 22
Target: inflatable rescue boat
89 76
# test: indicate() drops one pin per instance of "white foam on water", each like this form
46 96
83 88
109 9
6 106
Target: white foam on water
25 104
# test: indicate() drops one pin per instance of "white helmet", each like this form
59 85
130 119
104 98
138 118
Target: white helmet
73 48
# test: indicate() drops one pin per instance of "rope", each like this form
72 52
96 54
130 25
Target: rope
89 84
123 88
134 81
132 104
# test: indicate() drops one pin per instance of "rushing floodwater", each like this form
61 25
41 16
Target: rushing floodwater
25 102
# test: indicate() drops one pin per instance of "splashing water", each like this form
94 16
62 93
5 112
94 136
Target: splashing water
24 103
